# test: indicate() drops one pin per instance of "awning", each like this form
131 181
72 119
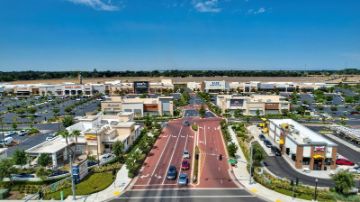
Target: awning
317 156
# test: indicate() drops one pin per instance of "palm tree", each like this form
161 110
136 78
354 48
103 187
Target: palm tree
76 134
66 135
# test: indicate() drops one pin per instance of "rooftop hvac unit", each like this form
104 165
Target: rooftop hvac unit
307 140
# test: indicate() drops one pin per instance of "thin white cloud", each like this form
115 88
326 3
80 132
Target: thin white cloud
258 11
206 6
97 4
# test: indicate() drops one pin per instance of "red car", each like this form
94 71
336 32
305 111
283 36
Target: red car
185 165
344 162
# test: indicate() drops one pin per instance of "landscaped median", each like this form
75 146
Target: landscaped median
195 173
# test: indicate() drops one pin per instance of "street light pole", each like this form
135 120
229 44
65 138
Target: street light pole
315 194
251 162
72 179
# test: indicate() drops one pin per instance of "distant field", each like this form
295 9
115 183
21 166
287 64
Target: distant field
187 79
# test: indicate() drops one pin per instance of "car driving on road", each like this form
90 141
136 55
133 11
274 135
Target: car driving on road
183 179
186 154
172 173
185 165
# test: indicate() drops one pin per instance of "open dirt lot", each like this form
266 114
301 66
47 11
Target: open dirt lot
187 79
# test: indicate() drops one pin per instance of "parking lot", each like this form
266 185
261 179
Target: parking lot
42 118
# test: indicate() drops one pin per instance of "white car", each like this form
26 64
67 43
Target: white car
186 154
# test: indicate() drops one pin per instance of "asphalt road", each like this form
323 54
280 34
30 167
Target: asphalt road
186 195
281 168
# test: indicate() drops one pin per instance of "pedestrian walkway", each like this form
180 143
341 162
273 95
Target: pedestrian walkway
115 189
243 176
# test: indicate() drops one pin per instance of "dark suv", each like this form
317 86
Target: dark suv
275 151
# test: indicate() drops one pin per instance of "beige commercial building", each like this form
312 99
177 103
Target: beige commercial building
253 104
139 106
98 134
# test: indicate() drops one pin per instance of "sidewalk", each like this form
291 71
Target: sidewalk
115 189
243 176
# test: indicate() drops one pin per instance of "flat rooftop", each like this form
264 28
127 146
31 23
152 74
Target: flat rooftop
48 147
304 133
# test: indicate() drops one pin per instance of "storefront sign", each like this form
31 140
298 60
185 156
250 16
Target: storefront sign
319 148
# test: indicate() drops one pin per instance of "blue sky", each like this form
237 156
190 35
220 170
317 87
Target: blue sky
179 34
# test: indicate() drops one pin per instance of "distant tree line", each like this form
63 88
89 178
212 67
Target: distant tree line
34 75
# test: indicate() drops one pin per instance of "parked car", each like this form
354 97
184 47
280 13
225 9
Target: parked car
262 137
51 137
275 151
172 173
355 170
344 162
183 179
186 154
24 175
23 133
185 165
267 143
58 172
8 140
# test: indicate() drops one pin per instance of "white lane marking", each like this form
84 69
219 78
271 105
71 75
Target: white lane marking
205 135
172 155
158 161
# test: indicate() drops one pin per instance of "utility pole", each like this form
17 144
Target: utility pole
72 179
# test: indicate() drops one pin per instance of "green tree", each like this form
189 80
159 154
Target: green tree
258 113
232 148
238 113
6 168
148 121
258 154
202 111
349 99
68 121
14 123
44 160
333 108
42 173
56 112
32 110
344 181
118 149
66 135
20 157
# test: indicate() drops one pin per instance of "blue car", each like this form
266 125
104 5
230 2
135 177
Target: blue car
172 173
183 179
